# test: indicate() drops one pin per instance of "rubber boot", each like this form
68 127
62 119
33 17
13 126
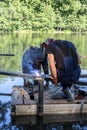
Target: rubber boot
67 92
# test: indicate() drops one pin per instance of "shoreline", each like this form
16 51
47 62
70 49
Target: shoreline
57 32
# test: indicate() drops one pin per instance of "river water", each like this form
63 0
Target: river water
17 44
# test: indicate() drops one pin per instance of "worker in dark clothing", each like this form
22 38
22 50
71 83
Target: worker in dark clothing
64 64
33 60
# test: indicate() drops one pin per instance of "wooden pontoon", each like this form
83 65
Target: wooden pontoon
55 108
44 104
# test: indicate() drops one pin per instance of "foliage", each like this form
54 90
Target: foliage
43 15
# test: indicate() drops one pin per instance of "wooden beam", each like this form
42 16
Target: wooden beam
50 109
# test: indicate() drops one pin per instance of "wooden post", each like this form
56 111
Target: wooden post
40 98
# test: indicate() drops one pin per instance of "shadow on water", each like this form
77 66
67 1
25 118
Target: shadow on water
25 124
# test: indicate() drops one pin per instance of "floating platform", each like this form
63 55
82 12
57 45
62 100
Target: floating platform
56 108
46 103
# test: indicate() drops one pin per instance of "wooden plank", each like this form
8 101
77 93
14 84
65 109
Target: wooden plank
50 109
63 101
26 109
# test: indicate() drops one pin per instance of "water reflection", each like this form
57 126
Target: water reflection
3 110
18 43
5 122
53 126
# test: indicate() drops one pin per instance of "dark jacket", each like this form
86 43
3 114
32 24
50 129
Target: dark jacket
33 58
66 60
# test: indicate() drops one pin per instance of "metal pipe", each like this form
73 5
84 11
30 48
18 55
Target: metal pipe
7 54
23 75
32 76
5 94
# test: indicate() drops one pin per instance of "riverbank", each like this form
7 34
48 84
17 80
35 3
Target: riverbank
48 32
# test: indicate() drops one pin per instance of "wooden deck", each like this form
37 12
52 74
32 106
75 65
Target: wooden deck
58 109
22 102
